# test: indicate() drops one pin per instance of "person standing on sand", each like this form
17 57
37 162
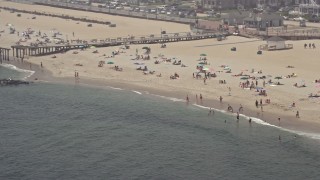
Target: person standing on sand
240 108
201 97
257 103
297 114
220 99
41 64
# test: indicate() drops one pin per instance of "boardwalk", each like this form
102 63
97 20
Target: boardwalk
83 19
142 15
21 51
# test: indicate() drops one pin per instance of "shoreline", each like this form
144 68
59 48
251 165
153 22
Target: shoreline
287 123
95 69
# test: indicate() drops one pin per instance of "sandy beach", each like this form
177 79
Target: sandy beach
220 59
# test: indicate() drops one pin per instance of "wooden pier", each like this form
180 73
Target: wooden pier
21 51
4 54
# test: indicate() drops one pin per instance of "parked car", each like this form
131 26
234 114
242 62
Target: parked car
313 18
298 19
119 7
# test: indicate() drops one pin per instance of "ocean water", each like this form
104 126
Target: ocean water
55 131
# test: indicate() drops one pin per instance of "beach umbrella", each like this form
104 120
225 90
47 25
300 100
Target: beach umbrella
203 54
110 62
200 65
92 47
278 77
205 68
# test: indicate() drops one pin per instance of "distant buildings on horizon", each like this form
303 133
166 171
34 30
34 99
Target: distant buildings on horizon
300 6
229 4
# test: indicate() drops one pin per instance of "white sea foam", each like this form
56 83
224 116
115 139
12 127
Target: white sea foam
27 72
136 92
114 88
170 98
205 107
261 122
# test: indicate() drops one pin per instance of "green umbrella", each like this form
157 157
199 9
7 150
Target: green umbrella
278 77
205 68
110 62
203 54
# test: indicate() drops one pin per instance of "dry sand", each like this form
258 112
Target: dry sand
305 61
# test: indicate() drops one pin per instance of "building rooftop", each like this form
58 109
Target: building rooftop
263 16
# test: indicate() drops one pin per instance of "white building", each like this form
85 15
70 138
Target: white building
310 7
275 43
